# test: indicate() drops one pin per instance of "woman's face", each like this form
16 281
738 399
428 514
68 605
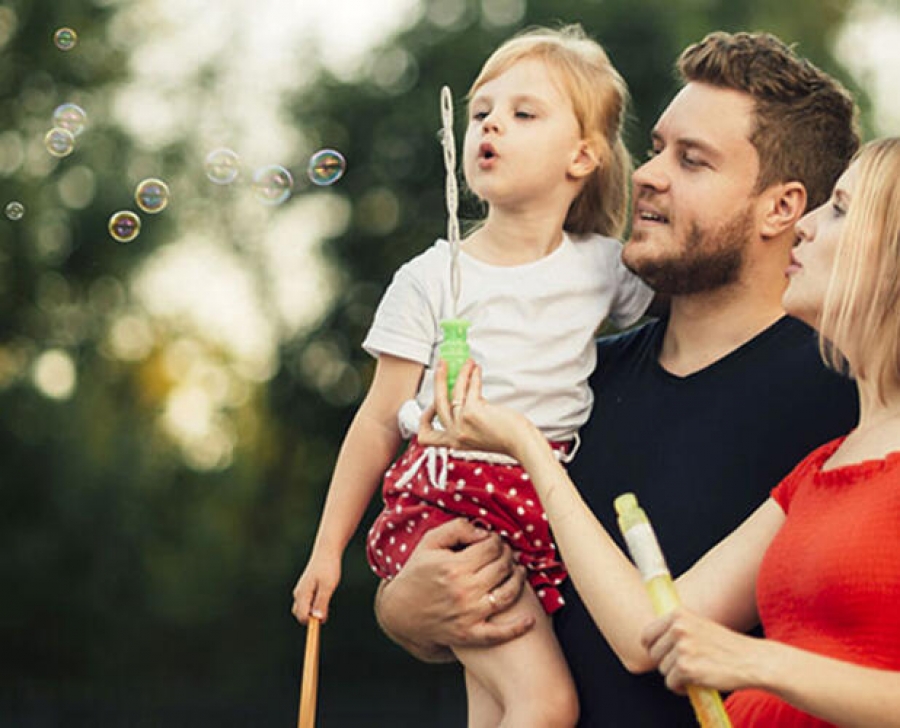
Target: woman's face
812 259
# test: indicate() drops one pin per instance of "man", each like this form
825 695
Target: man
703 412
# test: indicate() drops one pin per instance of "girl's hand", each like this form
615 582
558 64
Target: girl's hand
314 588
470 422
693 650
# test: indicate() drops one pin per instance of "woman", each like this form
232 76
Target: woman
817 564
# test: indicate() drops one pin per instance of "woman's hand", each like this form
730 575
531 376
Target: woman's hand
470 422
693 650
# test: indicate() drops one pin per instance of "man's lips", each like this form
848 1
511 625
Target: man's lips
646 214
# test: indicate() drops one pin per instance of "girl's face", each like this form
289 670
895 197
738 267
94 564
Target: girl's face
523 143
813 259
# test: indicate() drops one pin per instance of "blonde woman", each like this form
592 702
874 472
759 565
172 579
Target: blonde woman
818 564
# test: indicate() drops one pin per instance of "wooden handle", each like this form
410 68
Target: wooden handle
309 685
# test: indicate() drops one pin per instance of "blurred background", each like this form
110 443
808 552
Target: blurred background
170 407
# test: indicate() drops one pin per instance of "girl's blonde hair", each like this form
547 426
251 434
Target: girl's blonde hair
599 98
862 301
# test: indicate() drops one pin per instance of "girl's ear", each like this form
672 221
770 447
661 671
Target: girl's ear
584 162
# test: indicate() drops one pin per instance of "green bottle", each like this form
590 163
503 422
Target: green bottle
454 349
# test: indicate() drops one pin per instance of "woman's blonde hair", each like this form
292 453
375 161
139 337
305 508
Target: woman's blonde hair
599 98
862 301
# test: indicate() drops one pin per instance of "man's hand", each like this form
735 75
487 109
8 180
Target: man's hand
453 592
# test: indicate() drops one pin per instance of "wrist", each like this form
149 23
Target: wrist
770 665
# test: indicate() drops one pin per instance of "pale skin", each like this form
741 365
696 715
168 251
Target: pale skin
701 643
524 155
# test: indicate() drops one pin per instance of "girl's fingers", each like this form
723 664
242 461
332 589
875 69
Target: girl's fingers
461 388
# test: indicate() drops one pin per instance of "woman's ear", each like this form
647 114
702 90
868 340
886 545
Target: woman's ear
782 206
584 162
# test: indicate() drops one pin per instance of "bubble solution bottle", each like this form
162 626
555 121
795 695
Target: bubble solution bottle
647 556
454 349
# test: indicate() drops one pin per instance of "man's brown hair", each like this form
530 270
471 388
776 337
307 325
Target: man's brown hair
805 126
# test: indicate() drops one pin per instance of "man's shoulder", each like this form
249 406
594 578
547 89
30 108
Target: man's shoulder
630 344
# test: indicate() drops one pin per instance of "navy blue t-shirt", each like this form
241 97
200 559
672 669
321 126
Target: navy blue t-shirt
701 453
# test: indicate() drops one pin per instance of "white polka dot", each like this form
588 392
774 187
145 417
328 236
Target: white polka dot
482 512
513 492
378 551
426 489
525 476
403 547
475 500
529 528
477 471
489 487
460 483
543 516
451 466
520 511
529 503
541 593
457 497
561 600
390 525
538 542
504 534
392 540
440 503
399 508
517 535
388 559
425 515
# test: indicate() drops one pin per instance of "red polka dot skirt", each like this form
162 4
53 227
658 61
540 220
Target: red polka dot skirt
426 488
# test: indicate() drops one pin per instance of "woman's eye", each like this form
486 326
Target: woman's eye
837 210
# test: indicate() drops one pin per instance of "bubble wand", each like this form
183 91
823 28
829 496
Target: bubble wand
454 348
306 716
647 556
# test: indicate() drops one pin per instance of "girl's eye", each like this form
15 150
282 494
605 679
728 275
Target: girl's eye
479 115
524 115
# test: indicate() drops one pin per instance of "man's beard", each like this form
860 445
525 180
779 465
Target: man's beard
708 260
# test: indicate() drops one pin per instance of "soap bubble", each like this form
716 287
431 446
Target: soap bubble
272 185
222 166
65 39
152 195
124 226
59 142
70 117
15 210
326 167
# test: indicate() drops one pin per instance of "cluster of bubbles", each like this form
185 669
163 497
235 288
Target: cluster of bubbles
69 120
272 184
151 196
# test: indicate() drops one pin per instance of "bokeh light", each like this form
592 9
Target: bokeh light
15 210
124 226
222 166
272 185
65 39
152 195
326 167
59 142
70 117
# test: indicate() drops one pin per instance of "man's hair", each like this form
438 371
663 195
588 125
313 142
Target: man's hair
805 121
599 99
862 302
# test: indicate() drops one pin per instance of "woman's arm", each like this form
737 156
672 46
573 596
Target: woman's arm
692 650
721 584
369 446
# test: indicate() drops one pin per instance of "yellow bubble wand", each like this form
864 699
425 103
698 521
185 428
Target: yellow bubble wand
647 556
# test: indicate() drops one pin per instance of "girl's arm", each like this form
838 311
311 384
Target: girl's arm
694 650
368 448
721 585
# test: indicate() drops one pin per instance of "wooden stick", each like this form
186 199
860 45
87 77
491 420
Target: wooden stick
309 685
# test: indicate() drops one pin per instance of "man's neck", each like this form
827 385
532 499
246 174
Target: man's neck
704 328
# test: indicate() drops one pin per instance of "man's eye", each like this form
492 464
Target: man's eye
651 153
690 161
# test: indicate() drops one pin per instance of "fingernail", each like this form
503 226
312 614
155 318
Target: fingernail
316 613
480 531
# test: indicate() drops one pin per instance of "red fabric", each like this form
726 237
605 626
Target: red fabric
500 498
830 580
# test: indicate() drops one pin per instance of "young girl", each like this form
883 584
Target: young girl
538 277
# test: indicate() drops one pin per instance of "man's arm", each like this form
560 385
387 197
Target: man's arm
440 599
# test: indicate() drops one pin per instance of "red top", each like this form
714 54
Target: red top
830 579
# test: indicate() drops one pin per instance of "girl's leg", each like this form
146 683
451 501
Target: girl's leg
484 711
527 677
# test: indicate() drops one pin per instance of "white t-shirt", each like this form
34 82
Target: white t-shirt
533 326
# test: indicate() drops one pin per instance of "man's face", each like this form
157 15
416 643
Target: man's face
693 214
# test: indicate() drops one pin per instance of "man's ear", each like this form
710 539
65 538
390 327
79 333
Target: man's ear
584 162
782 206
